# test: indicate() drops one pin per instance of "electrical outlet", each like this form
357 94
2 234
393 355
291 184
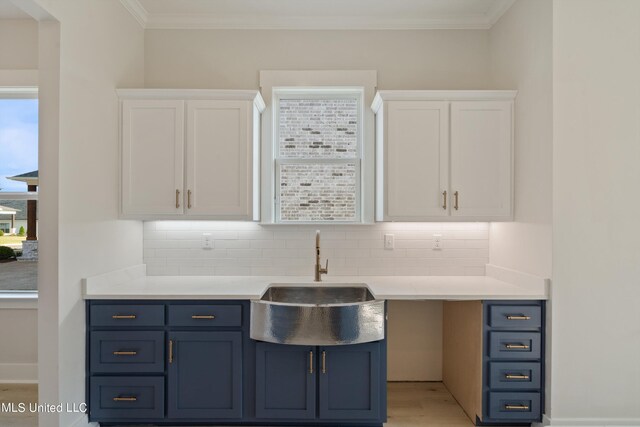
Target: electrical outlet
437 242
207 242
389 241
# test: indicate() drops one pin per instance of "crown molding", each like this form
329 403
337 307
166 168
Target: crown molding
500 8
137 11
204 21
441 95
203 94
252 22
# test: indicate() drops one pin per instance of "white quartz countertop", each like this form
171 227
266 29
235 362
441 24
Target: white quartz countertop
133 283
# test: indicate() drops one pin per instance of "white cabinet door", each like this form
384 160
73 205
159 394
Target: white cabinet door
152 157
417 160
219 159
481 159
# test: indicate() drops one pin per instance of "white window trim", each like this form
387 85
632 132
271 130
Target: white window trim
366 82
318 93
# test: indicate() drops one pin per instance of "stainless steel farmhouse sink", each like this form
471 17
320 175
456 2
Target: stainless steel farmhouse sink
317 315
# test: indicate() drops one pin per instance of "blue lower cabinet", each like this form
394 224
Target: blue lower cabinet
514 334
126 398
205 375
514 406
127 351
285 381
320 383
350 382
515 375
192 362
514 345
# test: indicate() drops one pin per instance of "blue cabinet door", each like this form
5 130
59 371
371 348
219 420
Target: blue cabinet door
350 382
285 381
205 375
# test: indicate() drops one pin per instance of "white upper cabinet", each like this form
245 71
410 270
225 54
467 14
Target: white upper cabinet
152 157
417 162
444 155
190 154
219 164
481 158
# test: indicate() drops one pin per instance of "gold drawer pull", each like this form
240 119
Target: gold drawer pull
197 316
519 317
516 377
125 399
324 362
123 316
125 353
444 200
516 407
170 351
311 362
517 346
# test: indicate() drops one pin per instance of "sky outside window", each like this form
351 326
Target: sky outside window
18 141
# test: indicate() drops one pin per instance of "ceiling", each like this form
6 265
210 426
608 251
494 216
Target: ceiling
10 11
317 14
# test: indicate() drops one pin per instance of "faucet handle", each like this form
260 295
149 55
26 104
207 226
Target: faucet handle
325 269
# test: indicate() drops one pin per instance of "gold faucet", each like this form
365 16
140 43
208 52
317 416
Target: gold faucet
319 271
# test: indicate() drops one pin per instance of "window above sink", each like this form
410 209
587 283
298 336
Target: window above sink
318 147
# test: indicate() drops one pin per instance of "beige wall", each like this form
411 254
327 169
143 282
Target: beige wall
18 44
230 59
520 46
19 338
596 257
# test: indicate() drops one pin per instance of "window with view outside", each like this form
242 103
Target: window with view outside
18 142
318 158
18 174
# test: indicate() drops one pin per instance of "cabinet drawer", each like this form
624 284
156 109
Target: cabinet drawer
126 398
122 315
514 375
514 406
514 345
515 316
205 315
127 351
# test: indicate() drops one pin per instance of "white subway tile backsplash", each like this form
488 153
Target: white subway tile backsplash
232 244
244 253
371 244
208 253
246 248
255 235
268 244
232 271
414 244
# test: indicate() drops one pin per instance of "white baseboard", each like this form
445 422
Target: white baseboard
19 373
82 421
592 422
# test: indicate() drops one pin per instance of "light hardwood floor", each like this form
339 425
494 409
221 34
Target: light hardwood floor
411 404
428 404
18 393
